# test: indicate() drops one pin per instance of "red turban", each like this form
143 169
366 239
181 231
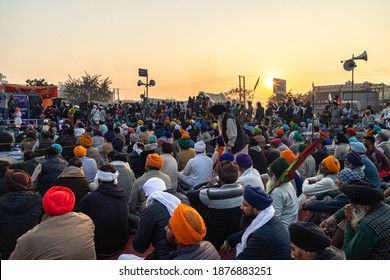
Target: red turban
58 201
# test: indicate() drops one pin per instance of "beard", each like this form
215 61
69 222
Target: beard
360 212
320 173
271 182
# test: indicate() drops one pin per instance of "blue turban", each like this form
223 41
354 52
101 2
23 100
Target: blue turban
226 156
257 198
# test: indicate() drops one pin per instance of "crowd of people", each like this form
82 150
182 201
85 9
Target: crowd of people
197 180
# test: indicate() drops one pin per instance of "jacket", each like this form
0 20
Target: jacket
20 211
107 207
51 168
269 242
204 250
63 237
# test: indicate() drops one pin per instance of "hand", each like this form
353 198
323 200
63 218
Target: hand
349 213
225 248
328 224
212 182
310 199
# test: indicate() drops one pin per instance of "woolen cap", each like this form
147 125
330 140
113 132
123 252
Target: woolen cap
18 180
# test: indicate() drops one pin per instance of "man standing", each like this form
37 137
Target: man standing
265 238
236 141
259 113
367 231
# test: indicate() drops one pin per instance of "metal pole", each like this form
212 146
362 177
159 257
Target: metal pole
244 89
239 85
353 71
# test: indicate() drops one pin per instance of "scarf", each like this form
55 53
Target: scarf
260 220
168 200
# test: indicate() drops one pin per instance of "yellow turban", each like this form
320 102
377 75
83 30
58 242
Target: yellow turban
187 225
86 140
332 164
154 160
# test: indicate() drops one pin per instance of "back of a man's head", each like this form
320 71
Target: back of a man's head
167 148
51 151
227 172
29 155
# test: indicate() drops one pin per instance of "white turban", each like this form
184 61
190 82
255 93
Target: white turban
154 185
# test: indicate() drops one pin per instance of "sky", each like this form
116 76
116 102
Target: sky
192 46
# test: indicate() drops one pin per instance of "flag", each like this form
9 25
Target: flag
257 82
288 174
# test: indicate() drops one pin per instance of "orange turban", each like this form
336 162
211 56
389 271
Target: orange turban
58 201
187 225
324 133
185 136
80 151
86 140
182 131
288 156
154 160
279 132
332 164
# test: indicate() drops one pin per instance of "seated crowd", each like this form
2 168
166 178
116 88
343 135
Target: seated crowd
177 190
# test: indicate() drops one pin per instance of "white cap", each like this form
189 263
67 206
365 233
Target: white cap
200 146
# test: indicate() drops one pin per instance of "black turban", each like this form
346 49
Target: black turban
363 194
308 237
217 109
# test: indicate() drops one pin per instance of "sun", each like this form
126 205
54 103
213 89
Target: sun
269 82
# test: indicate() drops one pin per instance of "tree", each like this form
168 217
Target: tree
234 94
37 82
88 86
3 79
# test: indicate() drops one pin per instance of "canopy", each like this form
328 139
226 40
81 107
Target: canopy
215 97
46 92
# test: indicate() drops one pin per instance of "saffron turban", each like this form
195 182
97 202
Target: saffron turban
187 225
288 156
332 164
86 140
80 151
279 132
324 132
58 201
154 160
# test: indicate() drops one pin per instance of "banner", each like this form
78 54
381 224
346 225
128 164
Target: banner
23 102
279 86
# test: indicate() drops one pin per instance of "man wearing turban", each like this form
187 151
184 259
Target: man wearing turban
198 170
137 199
367 230
309 242
61 235
323 182
107 207
87 142
236 141
265 238
185 231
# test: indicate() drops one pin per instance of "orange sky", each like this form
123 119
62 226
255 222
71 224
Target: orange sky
192 46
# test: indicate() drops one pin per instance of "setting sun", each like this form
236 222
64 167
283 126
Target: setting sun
269 82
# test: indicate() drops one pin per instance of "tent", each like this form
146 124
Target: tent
45 92
217 98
